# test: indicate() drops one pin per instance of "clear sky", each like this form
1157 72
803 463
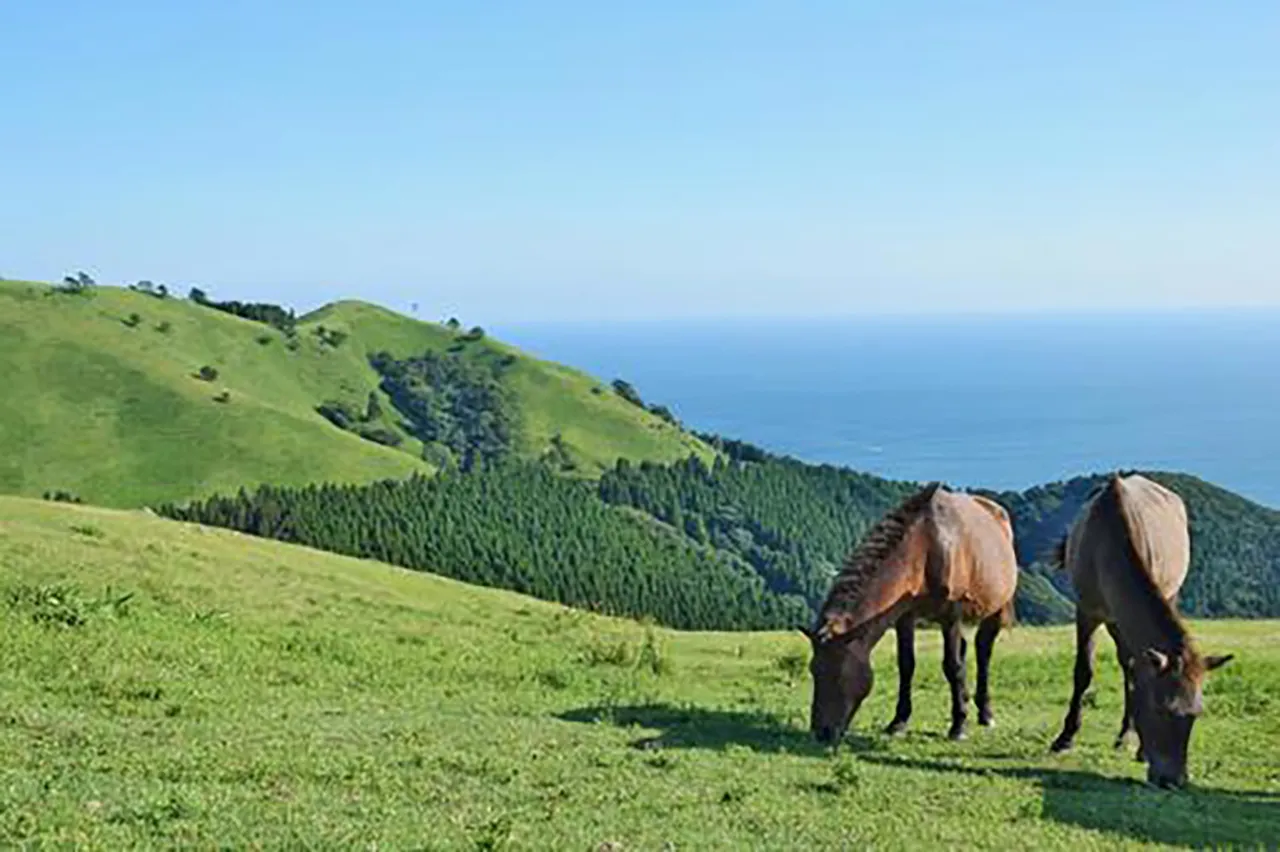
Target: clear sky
509 161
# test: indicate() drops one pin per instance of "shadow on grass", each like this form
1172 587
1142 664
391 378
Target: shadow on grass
702 728
1195 816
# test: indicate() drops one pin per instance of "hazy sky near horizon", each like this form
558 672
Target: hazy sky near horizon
505 161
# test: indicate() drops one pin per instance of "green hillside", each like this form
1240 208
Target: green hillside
113 411
164 685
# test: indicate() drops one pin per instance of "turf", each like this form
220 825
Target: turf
165 684
114 413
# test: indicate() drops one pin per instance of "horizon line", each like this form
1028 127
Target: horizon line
879 312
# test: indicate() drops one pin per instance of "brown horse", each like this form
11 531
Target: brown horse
941 556
1127 553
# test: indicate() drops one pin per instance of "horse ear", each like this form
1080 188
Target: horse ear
834 627
1216 660
1157 658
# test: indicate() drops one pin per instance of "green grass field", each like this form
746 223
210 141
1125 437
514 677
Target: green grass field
114 414
252 694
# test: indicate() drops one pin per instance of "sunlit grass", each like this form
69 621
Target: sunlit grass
163 684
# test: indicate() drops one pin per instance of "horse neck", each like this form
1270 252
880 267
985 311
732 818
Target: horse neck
1144 619
871 630
1147 620
887 592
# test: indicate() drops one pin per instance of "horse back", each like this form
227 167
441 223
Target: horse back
972 559
1131 519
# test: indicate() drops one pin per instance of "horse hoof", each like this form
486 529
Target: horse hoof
956 734
1060 745
895 727
987 721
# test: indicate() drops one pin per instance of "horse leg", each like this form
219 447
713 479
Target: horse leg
906 630
1125 658
984 642
953 653
1086 627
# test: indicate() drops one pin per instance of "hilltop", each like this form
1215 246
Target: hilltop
165 684
330 429
104 398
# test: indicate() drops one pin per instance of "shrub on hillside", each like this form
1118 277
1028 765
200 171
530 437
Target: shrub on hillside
628 392
381 435
330 336
339 414
207 373
79 283
373 408
664 413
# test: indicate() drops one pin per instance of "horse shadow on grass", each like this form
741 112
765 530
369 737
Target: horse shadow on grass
702 728
1195 816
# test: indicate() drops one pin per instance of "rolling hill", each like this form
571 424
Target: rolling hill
106 400
168 685
103 398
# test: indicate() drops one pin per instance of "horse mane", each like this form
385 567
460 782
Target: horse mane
1056 554
879 542
1167 617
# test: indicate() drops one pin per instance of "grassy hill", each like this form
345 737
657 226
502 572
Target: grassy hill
114 413
163 684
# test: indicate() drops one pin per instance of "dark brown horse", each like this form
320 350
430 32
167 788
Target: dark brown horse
1127 554
941 556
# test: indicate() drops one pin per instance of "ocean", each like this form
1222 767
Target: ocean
1001 402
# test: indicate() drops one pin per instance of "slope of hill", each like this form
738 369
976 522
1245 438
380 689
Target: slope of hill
595 425
103 400
517 526
165 685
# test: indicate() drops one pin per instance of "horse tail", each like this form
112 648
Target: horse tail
1058 553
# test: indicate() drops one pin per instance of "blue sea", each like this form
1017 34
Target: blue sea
1001 402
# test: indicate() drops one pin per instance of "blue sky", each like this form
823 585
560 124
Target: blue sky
508 161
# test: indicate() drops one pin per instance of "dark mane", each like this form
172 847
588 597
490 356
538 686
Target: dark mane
1167 618
879 542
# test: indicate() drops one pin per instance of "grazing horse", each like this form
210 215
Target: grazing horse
941 556
1127 554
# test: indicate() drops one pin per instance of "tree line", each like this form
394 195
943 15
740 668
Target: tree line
515 525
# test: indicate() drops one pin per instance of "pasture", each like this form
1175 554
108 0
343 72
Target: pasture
106 402
164 684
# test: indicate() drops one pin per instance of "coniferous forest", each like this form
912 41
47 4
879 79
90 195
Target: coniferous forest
520 526
750 540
